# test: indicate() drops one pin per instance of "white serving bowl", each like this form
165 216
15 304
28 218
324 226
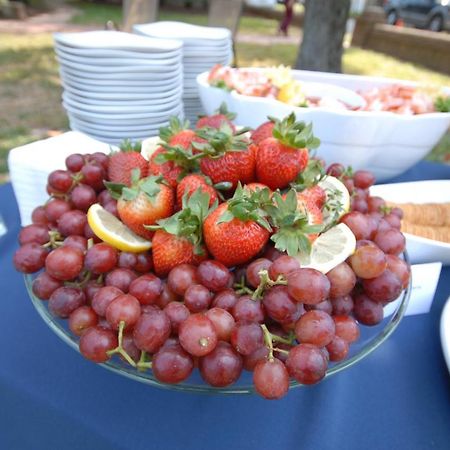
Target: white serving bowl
388 144
420 249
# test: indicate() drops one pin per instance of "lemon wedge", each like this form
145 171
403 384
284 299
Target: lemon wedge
149 146
111 230
292 93
338 199
330 249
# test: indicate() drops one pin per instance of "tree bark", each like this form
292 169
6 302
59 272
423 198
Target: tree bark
323 35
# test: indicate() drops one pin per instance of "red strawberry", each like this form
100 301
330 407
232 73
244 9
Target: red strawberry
143 204
236 231
190 183
169 251
122 163
252 187
168 169
315 195
308 206
221 116
178 133
279 159
179 238
230 158
262 132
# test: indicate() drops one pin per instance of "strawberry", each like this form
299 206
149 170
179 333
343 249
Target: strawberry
228 157
190 183
279 159
170 250
221 116
178 134
315 195
307 204
122 162
159 165
143 204
238 230
179 238
296 220
252 187
262 132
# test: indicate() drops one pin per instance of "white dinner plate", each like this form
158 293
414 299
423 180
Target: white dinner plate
116 40
420 249
153 109
445 332
124 95
119 77
116 53
183 31
123 70
119 62
122 117
121 135
103 130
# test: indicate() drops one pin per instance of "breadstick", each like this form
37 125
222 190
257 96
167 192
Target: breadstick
434 214
441 233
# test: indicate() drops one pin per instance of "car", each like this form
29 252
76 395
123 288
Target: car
433 15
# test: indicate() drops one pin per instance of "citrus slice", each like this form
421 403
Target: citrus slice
338 199
330 249
111 230
149 146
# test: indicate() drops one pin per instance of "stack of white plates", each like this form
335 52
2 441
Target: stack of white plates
118 85
203 47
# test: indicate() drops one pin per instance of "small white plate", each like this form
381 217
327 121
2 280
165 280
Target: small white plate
116 40
119 77
183 31
445 332
420 249
124 125
101 129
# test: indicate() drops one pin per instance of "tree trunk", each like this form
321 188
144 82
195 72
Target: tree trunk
323 34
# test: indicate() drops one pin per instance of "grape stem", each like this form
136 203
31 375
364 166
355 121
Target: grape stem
143 363
280 350
80 284
268 340
267 282
55 240
241 288
119 349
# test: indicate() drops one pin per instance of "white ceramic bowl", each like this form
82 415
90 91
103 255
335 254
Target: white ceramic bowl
420 250
388 144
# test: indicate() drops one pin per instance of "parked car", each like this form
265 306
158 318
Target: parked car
431 14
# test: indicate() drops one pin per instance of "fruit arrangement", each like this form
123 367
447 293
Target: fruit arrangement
226 250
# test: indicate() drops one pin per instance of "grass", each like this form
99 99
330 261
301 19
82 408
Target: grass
30 90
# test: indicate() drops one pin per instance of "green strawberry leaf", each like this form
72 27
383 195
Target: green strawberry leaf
313 173
175 126
224 110
129 193
127 146
115 189
295 134
150 186
218 142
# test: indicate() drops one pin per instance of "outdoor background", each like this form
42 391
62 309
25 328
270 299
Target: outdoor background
30 92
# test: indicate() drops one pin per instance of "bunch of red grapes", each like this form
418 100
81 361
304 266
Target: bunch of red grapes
271 316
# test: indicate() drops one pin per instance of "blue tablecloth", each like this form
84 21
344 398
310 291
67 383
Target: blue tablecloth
53 399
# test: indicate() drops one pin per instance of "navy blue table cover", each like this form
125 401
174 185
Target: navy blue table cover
53 399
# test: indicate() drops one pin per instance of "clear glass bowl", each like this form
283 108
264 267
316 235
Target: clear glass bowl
370 339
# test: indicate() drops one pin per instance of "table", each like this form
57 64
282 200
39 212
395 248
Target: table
52 399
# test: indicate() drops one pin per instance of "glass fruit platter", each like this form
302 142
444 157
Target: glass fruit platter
370 339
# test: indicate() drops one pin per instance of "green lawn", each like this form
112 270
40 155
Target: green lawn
30 90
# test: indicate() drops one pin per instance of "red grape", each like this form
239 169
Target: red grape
247 337
358 223
248 310
308 286
151 331
103 298
346 328
171 364
260 354
271 379
337 349
64 263
222 366
101 258
375 204
37 234
91 288
367 311
83 196
60 180
253 269
177 313
279 305
55 208
368 262
181 277
44 285
124 308
65 300
385 288
306 363
363 179
390 241
223 322
120 278
147 289
214 275
75 162
78 242
342 280
38 216
93 175
96 342
197 335
399 268
335 170
166 296
315 327
30 258
342 305
283 266
197 298
81 319
225 299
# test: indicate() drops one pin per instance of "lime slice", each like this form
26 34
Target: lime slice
111 230
338 199
330 249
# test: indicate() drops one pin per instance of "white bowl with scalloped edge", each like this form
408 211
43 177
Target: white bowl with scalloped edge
388 144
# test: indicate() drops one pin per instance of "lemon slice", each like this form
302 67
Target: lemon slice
149 146
110 229
330 249
338 199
